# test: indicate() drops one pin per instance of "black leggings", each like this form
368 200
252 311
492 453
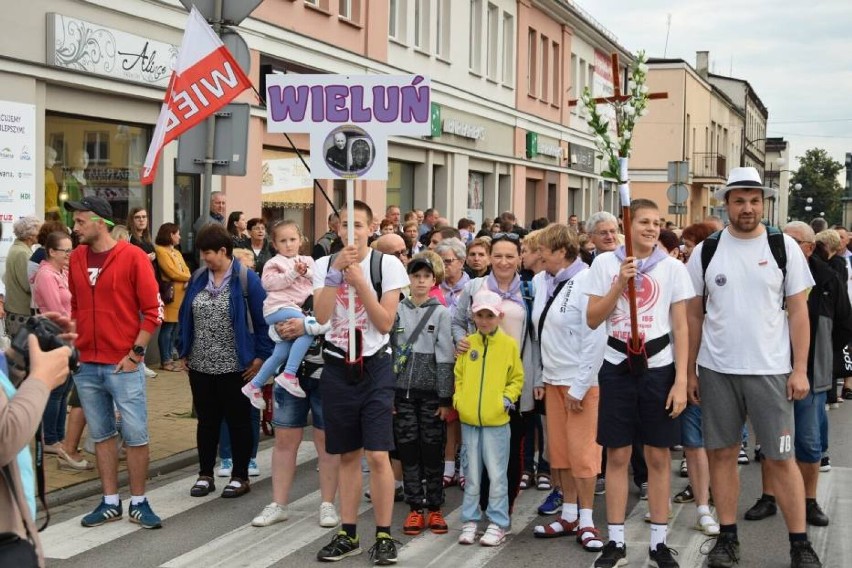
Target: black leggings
216 397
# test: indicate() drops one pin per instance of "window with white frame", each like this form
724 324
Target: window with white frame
508 49
345 9
532 63
493 41
476 38
556 74
421 24
393 28
442 28
545 67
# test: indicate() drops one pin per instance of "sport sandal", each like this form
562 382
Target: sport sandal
203 486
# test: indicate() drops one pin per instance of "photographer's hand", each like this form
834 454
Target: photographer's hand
68 326
48 367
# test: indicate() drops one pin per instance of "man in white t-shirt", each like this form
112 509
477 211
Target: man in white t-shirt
357 398
641 398
742 348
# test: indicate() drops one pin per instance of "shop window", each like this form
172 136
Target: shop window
94 157
400 185
287 189
186 211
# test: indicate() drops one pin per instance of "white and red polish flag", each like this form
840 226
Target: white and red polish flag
206 78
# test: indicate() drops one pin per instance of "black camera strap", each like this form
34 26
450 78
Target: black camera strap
39 473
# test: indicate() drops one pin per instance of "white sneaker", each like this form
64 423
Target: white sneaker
149 373
328 515
468 533
271 514
253 469
707 524
494 536
225 468
255 396
290 384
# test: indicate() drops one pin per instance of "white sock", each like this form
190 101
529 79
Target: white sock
616 534
569 512
703 510
112 500
449 468
397 484
658 535
136 499
586 520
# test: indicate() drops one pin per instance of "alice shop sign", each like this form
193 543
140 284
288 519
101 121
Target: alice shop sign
439 125
536 148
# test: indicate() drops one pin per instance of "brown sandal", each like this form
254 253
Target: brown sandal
234 491
563 528
203 486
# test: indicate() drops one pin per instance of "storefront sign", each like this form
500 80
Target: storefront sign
17 168
552 150
582 158
349 118
85 46
463 129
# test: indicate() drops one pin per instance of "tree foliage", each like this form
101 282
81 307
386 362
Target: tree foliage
817 174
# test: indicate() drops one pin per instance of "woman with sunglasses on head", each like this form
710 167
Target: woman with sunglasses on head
505 281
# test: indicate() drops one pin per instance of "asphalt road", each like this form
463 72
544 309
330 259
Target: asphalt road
212 532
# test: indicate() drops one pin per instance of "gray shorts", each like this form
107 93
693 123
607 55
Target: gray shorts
726 400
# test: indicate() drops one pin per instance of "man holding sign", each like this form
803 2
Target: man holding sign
358 395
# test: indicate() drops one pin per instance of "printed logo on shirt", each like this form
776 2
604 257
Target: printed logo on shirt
93 275
474 355
720 280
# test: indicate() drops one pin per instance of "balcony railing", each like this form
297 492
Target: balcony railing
709 164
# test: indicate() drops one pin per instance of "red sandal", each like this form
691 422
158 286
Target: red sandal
589 537
549 531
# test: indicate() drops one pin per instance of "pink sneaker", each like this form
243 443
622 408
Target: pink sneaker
290 384
255 396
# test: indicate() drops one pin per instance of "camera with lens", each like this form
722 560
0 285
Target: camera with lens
47 334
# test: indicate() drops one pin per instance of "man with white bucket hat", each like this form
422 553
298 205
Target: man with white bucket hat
749 313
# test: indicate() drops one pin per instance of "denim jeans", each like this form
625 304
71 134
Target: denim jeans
102 390
486 447
165 340
809 440
291 352
225 438
53 419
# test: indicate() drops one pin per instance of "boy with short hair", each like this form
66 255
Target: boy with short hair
424 357
357 398
489 379
641 396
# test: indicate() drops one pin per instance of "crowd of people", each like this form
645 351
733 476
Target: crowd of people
497 361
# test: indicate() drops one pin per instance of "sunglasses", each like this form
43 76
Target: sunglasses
505 236
400 253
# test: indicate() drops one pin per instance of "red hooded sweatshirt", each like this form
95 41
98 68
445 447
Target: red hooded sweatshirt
107 314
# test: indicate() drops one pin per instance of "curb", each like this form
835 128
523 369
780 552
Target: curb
92 487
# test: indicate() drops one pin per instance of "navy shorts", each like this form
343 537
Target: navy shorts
358 415
292 412
634 408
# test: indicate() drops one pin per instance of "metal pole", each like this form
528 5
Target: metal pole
211 129
350 240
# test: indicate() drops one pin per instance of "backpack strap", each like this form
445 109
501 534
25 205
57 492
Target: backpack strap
708 249
528 295
376 258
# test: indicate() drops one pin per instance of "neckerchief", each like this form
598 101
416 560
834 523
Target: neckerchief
563 275
645 265
513 294
452 293
216 290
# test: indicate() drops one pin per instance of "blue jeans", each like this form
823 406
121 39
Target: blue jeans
290 351
486 447
808 439
53 419
166 340
225 438
102 390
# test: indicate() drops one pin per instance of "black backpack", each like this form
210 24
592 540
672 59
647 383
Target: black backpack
776 245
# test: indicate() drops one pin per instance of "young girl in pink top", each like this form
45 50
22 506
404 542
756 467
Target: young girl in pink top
287 279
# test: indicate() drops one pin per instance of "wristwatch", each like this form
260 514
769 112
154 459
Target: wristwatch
139 351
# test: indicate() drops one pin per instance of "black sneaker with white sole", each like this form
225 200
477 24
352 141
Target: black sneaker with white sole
612 555
383 552
340 547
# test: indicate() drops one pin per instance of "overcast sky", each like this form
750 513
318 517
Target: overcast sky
796 55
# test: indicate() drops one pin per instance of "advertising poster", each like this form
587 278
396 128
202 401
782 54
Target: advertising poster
349 118
475 188
17 168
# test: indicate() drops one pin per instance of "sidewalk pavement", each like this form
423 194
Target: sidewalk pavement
172 441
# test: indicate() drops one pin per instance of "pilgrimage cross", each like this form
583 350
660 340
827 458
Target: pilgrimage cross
635 345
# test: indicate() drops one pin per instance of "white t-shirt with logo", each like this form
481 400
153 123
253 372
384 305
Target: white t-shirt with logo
393 277
745 328
656 291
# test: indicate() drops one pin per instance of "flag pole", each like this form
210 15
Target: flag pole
624 193
350 240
